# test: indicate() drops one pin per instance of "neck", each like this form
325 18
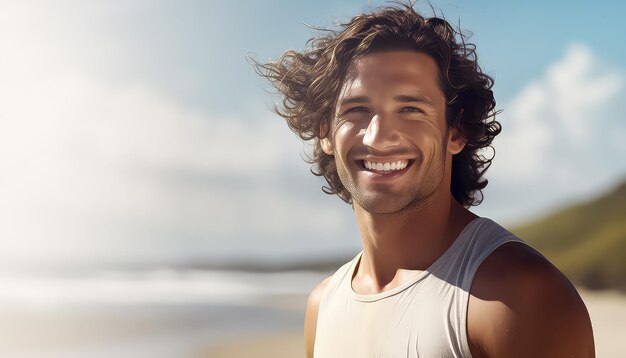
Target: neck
411 239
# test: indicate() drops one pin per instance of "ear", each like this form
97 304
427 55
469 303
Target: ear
325 142
327 146
456 142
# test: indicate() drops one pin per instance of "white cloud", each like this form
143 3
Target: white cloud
580 86
562 137
97 170
91 167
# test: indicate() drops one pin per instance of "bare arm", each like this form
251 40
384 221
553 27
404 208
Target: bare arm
310 318
523 306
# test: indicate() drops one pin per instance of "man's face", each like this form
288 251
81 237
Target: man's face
389 135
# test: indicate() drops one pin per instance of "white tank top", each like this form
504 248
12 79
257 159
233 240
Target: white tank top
424 317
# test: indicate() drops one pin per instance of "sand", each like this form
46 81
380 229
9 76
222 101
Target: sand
607 310
278 345
188 331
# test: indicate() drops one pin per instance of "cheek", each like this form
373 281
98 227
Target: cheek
344 129
345 135
427 135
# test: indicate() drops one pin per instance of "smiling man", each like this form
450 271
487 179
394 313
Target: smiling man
399 112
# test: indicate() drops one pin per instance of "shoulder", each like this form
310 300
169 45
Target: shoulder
310 318
521 305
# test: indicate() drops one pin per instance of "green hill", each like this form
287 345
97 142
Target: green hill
586 241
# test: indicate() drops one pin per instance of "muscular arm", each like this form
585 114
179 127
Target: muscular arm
310 318
523 306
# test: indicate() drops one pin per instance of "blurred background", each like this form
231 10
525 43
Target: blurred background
152 206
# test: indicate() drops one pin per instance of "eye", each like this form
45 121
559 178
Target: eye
411 110
357 109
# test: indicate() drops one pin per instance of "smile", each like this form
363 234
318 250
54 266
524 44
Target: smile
385 167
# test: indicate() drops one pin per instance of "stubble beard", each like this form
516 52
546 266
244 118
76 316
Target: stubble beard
412 200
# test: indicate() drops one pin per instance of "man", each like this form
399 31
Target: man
399 110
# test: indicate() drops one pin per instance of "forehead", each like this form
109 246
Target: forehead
391 70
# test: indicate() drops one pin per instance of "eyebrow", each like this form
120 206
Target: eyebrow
418 99
352 100
400 98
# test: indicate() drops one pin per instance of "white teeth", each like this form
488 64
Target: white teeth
389 166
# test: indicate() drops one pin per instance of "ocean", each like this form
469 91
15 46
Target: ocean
157 313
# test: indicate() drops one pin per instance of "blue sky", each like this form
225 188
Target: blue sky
138 132
197 49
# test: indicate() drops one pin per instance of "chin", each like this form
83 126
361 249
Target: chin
382 205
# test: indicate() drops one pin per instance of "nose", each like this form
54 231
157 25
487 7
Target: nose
381 133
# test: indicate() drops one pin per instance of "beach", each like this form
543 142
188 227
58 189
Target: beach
156 314
167 314
606 308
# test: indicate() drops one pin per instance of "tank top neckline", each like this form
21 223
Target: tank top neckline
419 275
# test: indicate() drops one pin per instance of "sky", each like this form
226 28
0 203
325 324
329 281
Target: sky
137 132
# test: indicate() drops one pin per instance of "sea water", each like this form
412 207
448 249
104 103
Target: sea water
157 313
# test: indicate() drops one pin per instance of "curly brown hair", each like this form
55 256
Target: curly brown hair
310 82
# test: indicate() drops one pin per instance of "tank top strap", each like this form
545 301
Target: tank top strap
338 278
476 243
